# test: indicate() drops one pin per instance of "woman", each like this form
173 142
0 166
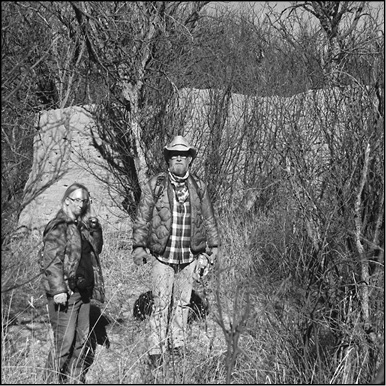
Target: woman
71 277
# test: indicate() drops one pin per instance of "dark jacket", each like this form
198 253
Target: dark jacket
62 254
152 227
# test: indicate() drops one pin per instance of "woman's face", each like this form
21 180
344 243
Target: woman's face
77 203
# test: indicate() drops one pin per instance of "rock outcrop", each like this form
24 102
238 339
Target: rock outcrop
63 154
63 150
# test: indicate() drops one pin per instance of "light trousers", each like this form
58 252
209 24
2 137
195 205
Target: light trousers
172 289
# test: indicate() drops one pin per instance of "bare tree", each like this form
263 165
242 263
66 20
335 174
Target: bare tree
43 62
338 20
22 93
335 166
125 41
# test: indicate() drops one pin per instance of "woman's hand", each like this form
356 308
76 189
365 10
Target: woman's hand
61 298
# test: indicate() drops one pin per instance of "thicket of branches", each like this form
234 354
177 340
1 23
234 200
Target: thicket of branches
311 166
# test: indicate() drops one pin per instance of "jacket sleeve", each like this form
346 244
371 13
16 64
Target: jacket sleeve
53 258
212 235
143 218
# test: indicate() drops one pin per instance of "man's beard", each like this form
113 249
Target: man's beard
179 170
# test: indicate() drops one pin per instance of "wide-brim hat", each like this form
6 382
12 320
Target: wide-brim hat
179 143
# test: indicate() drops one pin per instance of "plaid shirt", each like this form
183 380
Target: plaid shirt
178 246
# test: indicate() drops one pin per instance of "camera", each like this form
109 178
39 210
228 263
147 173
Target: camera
79 282
93 222
72 283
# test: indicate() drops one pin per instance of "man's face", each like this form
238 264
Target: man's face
179 162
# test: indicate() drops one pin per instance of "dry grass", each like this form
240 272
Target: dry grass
253 334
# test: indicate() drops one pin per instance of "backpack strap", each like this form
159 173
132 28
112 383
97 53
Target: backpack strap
159 186
198 189
161 183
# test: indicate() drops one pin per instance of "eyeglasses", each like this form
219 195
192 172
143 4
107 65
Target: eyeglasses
181 155
79 200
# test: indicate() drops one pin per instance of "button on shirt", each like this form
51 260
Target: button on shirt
178 246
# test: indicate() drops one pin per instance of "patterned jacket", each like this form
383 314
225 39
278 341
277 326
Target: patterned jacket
62 252
154 218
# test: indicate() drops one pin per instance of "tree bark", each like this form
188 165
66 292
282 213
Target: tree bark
363 260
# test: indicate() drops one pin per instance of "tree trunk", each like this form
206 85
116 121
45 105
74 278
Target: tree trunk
364 262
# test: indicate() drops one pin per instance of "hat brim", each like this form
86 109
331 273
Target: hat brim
192 151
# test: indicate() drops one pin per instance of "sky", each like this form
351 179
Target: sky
278 6
260 5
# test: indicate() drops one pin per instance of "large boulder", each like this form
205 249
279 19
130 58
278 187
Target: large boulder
63 154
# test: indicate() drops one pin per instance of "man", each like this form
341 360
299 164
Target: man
175 221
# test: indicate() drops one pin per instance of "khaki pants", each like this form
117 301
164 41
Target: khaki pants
171 287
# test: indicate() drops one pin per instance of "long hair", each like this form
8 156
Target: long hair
86 208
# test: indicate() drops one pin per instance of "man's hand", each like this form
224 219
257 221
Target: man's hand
202 268
140 256
60 298
213 255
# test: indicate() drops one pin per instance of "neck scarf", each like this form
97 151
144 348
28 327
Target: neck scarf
180 187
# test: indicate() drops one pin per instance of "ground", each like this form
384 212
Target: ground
122 357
